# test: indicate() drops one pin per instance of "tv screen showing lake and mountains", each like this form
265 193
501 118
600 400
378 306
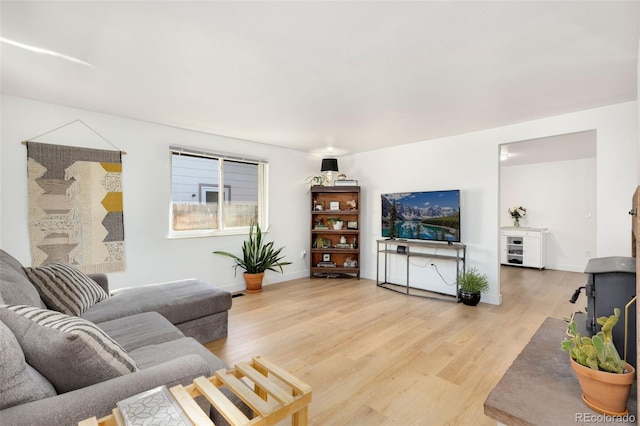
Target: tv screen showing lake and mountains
426 215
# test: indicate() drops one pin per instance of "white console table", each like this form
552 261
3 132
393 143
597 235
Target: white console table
456 252
525 247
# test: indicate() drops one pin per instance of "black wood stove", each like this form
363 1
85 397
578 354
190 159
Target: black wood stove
611 283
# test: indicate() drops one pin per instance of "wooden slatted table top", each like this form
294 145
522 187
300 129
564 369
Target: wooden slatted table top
271 392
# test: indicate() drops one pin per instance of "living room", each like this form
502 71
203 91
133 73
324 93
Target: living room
467 160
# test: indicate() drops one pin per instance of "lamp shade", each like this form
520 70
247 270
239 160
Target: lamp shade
329 165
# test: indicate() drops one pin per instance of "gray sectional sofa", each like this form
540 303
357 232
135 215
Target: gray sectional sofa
50 375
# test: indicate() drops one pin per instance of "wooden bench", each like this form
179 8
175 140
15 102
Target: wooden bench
276 395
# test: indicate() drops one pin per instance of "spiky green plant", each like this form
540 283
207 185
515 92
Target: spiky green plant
597 352
257 255
473 281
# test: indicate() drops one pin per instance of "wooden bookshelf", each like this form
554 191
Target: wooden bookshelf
335 251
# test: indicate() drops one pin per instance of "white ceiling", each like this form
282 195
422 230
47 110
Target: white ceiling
325 76
570 146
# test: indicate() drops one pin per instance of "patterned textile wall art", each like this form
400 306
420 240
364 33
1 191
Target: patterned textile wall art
75 207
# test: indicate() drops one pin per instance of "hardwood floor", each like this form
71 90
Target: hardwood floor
374 357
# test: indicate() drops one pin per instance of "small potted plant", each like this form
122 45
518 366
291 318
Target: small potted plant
319 180
470 286
257 257
322 242
335 222
605 379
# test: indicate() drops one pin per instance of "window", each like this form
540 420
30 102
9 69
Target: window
215 193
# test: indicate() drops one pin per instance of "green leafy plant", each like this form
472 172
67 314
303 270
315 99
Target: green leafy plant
257 255
317 180
322 242
473 281
597 352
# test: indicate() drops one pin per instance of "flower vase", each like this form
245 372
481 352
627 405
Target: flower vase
516 222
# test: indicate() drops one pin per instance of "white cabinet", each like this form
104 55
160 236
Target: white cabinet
523 247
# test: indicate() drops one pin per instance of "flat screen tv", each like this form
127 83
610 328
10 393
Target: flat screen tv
427 215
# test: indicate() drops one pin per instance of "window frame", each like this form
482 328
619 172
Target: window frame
262 182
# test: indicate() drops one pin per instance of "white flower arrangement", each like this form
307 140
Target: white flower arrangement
518 212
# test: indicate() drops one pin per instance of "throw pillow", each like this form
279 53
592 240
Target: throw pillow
64 288
15 287
19 383
70 352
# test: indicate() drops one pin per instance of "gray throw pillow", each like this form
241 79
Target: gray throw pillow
64 288
70 352
15 287
19 382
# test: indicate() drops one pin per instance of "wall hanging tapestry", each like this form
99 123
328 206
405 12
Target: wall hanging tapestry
75 206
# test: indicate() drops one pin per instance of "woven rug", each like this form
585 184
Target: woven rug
75 207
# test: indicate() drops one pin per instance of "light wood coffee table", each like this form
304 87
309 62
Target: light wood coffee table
276 395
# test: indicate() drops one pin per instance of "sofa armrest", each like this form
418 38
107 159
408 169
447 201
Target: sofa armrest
101 279
100 399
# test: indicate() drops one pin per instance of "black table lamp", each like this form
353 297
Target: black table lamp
329 165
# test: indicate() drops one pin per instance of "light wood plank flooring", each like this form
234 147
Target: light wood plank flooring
376 357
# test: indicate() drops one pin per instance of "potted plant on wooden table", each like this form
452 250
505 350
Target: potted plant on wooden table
605 379
258 256
471 284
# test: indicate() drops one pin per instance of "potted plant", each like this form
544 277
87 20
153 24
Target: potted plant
258 256
322 242
317 180
335 222
604 378
470 286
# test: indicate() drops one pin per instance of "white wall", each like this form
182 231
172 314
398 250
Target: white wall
150 255
470 162
467 162
559 196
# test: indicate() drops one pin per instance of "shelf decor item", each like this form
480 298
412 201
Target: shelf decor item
470 286
321 242
605 379
258 256
346 182
317 180
335 222
516 214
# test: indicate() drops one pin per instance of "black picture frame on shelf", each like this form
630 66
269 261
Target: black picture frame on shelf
326 257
